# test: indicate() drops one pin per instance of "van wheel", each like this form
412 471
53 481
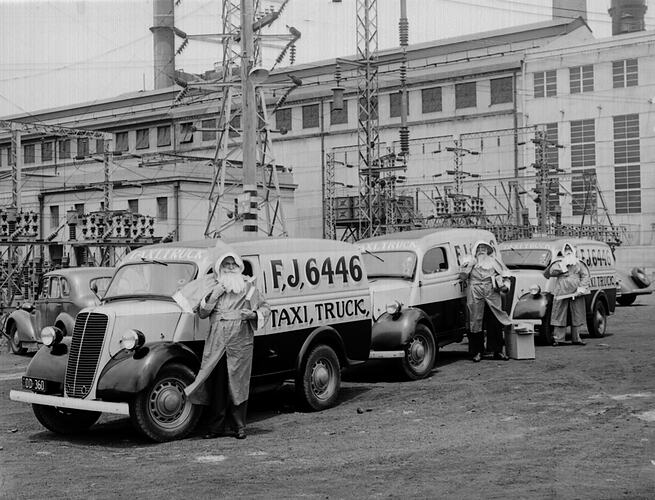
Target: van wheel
626 300
14 344
319 380
64 420
162 411
420 354
597 322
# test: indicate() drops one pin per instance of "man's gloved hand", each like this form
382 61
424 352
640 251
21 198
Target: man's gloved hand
248 314
216 292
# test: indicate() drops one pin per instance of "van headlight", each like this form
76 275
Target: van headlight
132 339
393 308
51 335
535 289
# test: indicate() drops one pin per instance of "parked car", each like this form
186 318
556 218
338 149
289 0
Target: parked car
630 284
62 294
134 353
527 259
417 296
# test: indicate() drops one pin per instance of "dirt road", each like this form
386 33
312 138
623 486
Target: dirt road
577 422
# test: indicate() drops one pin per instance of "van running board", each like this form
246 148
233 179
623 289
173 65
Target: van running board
386 354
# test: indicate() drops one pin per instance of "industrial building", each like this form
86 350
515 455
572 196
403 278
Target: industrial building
475 106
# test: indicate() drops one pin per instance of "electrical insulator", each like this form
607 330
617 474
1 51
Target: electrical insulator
292 54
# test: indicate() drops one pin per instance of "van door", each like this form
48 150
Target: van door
266 352
442 293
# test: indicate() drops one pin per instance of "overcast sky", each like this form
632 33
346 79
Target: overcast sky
59 52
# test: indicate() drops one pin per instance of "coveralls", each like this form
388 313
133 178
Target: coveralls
575 278
223 381
484 305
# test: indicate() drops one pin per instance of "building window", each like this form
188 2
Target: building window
162 208
581 79
100 146
627 159
29 153
283 119
143 138
431 100
54 216
394 104
583 162
465 95
625 73
121 142
502 90
163 136
186 133
64 149
133 206
82 148
46 152
339 116
208 135
545 84
310 116
79 208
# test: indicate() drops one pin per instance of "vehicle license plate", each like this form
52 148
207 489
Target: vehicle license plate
34 384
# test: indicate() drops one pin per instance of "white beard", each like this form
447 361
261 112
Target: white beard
485 261
232 282
569 259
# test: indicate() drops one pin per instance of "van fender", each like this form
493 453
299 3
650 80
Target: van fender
129 372
65 322
393 331
49 363
598 295
24 326
323 335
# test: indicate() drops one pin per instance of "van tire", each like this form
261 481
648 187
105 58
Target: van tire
319 379
420 354
14 344
64 420
597 321
626 300
162 411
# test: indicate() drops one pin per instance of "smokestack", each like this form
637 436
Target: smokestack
164 43
569 9
628 16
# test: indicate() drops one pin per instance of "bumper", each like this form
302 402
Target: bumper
72 403
386 354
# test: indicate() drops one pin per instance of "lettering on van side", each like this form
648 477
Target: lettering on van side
596 256
314 271
319 313
602 281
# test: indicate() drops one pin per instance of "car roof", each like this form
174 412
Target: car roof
82 272
422 238
291 245
550 243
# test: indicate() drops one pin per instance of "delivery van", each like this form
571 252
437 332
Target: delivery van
527 259
136 352
418 299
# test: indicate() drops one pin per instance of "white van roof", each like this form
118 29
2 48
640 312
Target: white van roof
554 244
422 238
290 245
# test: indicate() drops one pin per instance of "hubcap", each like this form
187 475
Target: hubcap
321 378
167 403
600 320
418 351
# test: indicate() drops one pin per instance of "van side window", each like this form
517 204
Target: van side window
435 260
247 268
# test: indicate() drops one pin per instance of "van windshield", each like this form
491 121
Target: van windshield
150 278
390 264
526 258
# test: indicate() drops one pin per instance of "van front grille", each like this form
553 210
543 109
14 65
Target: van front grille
86 345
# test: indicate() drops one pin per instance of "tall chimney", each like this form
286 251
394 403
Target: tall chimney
164 43
569 9
628 16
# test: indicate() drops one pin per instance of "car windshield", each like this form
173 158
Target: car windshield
390 264
526 258
150 278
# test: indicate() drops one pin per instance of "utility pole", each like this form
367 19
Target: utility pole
249 119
